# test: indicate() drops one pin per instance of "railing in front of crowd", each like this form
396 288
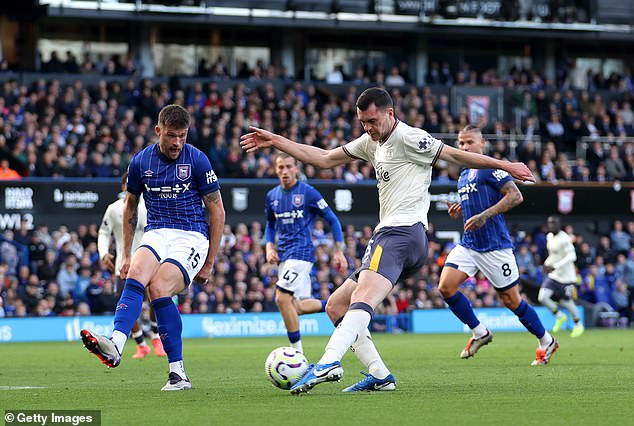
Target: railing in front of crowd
606 142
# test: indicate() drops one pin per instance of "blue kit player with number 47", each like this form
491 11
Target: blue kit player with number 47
185 218
486 246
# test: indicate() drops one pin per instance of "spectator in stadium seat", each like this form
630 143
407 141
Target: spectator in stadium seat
619 239
67 276
614 167
7 173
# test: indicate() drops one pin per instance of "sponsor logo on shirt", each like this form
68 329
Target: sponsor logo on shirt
322 204
499 174
382 174
466 190
211 177
287 218
168 191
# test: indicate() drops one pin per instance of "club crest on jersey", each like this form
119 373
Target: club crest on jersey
183 171
298 200
472 174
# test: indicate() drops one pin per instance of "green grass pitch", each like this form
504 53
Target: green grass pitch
589 381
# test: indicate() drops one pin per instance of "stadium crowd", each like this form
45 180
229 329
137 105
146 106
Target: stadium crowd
64 275
48 129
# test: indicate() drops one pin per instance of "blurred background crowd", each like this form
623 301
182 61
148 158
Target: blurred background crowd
50 129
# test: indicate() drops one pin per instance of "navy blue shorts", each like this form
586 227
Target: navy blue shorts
396 252
561 291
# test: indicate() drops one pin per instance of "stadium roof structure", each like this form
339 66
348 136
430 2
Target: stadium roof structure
340 14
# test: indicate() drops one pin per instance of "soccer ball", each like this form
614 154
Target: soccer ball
285 366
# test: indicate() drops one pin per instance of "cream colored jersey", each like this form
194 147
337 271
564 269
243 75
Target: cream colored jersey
403 166
112 224
562 257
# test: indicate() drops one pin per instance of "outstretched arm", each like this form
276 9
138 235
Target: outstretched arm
477 161
512 197
322 158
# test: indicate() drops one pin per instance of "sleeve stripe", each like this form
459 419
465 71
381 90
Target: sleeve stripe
350 155
442 145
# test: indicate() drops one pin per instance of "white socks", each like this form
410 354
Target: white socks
365 350
351 327
545 340
298 345
479 331
119 339
177 367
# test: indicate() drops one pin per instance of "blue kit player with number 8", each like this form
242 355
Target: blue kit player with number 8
486 246
185 219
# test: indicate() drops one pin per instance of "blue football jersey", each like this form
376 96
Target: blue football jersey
173 189
479 190
294 212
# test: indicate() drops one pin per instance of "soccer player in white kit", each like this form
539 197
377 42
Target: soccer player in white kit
112 226
402 157
562 277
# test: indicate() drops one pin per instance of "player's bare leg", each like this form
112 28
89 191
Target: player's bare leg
286 304
450 280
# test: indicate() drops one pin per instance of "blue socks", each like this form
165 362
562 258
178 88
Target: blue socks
170 327
129 306
529 318
293 336
460 306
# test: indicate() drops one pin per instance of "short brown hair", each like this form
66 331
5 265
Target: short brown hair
283 155
377 96
174 117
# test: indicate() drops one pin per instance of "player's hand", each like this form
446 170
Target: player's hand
108 261
257 139
548 269
340 261
272 256
125 267
454 210
475 222
520 172
204 276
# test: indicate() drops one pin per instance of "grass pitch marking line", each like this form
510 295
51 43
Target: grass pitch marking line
6 388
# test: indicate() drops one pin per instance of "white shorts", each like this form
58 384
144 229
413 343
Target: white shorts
294 278
185 249
499 266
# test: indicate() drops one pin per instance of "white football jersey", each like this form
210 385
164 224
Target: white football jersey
112 224
562 257
403 166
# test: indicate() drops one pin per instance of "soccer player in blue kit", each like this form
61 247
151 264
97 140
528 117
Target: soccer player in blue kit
402 157
291 209
179 244
486 246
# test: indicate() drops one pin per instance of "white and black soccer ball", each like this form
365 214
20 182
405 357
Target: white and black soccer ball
285 366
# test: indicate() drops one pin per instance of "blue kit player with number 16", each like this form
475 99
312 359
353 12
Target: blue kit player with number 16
179 244
486 246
